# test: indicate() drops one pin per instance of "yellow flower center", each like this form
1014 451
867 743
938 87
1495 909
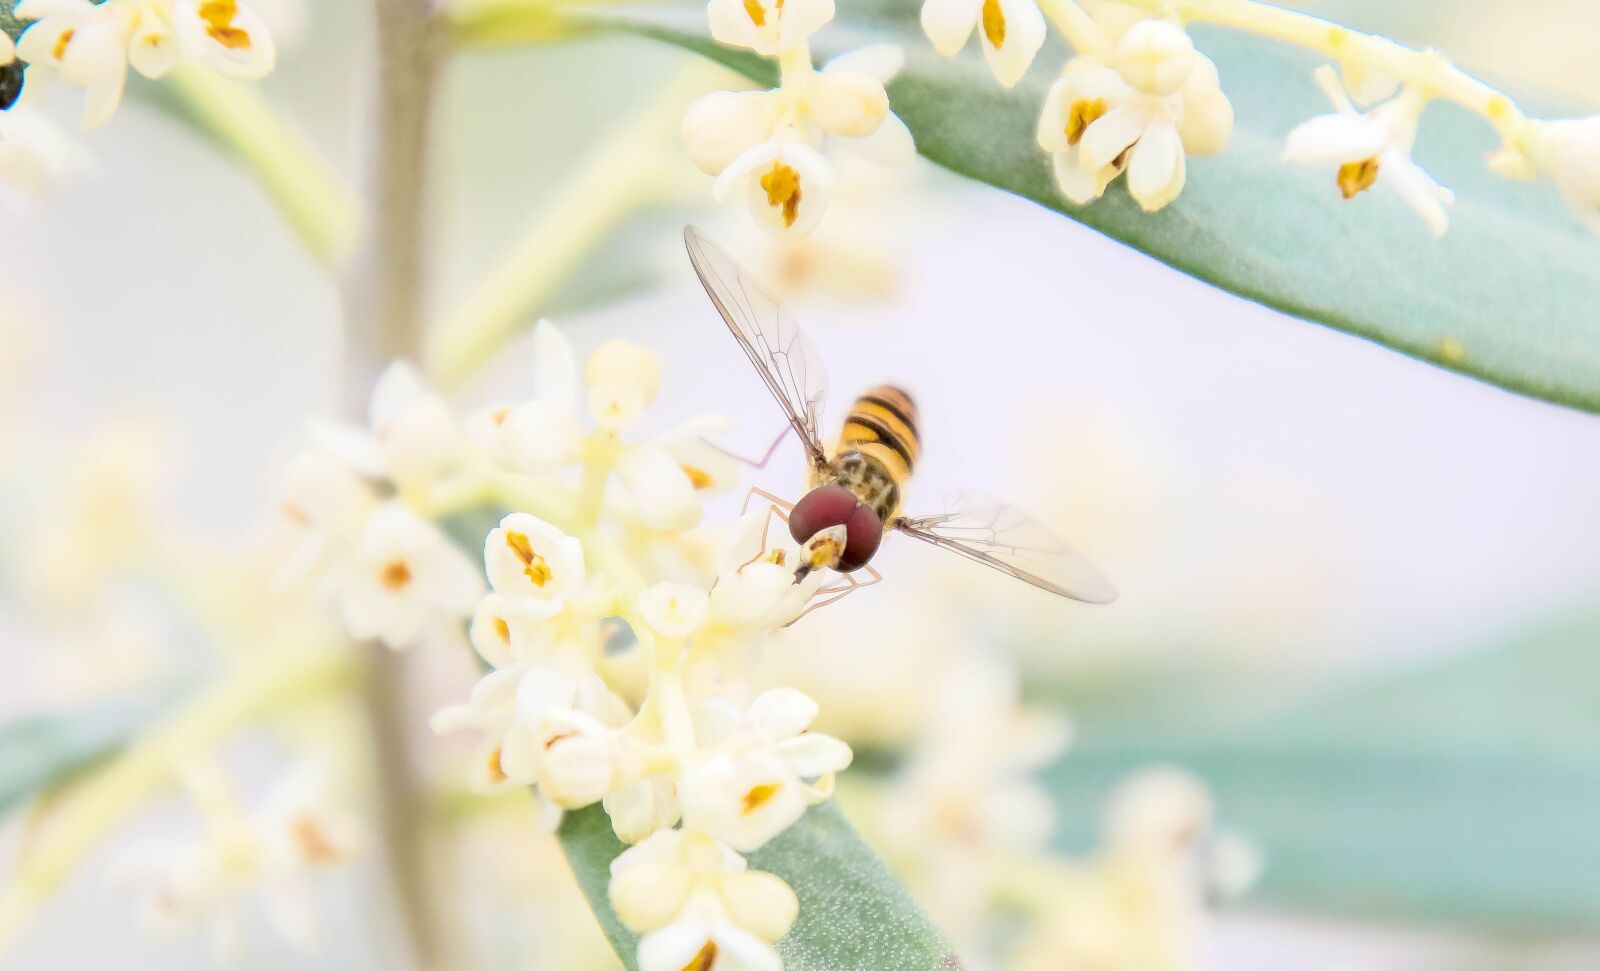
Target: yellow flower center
218 15
782 185
1356 177
503 629
994 22
1081 115
533 565
757 797
699 478
497 772
756 12
395 575
703 959
776 557
60 50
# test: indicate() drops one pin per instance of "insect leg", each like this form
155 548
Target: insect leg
775 507
755 492
760 463
824 596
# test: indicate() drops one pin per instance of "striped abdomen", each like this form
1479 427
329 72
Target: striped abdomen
882 424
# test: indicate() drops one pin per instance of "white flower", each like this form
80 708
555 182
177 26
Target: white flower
698 906
1371 147
405 579
664 478
86 42
411 438
527 557
755 589
643 808
326 506
505 753
767 767
507 631
674 610
768 142
1568 151
1012 31
93 44
769 28
224 35
1153 102
268 856
36 155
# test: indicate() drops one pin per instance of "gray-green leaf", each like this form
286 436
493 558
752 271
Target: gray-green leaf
39 752
1507 296
1463 792
854 915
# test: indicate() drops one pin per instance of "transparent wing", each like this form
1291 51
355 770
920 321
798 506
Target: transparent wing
1002 536
771 339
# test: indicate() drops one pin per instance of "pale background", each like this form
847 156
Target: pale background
1276 489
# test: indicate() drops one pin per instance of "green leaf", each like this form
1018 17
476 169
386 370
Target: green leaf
1506 296
1461 792
39 752
854 915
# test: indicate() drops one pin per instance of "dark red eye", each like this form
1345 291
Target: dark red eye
834 505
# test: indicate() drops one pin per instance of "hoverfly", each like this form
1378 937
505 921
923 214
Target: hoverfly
854 492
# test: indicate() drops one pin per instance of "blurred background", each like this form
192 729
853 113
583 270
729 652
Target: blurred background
1322 546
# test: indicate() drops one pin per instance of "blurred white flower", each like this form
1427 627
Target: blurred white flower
268 855
405 579
1011 31
1371 147
1153 101
411 436
36 155
674 610
769 29
663 478
767 767
786 184
93 44
1568 151
698 906
325 507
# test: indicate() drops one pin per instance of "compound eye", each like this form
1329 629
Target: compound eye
822 507
834 505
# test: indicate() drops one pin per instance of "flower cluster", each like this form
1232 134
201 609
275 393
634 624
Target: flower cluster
1138 98
611 636
92 45
768 145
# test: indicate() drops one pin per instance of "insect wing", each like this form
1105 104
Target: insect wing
775 344
1001 536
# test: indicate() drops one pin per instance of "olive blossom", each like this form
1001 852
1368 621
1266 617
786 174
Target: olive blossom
663 478
411 436
92 45
1011 32
1152 101
405 580
1371 147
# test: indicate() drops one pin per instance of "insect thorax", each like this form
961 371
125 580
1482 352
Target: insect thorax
870 480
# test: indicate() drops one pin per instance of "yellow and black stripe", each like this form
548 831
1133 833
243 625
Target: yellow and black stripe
882 424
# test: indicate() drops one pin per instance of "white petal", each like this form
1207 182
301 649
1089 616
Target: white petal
800 19
225 36
891 144
674 610
814 755
1021 37
760 903
1154 56
1111 134
648 897
742 951
710 469
674 947
535 437
555 366
1333 140
623 378
1075 182
948 23
782 713
774 209
724 124
1207 113
879 61
659 487
350 444
153 48
1156 167
847 103
1426 197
